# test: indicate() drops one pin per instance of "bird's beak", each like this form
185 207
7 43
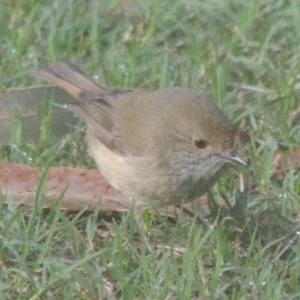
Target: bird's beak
235 157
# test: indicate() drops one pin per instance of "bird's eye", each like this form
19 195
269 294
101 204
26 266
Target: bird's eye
201 144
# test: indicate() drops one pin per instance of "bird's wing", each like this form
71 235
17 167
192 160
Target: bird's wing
95 106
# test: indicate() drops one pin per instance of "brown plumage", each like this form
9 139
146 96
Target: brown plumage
159 147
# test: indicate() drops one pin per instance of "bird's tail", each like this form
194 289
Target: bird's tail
70 78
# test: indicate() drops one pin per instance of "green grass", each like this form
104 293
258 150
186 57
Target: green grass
245 54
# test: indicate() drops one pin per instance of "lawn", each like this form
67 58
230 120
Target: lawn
245 55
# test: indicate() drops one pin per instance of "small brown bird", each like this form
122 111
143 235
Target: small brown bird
158 147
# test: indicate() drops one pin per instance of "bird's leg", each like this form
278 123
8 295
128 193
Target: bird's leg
138 217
